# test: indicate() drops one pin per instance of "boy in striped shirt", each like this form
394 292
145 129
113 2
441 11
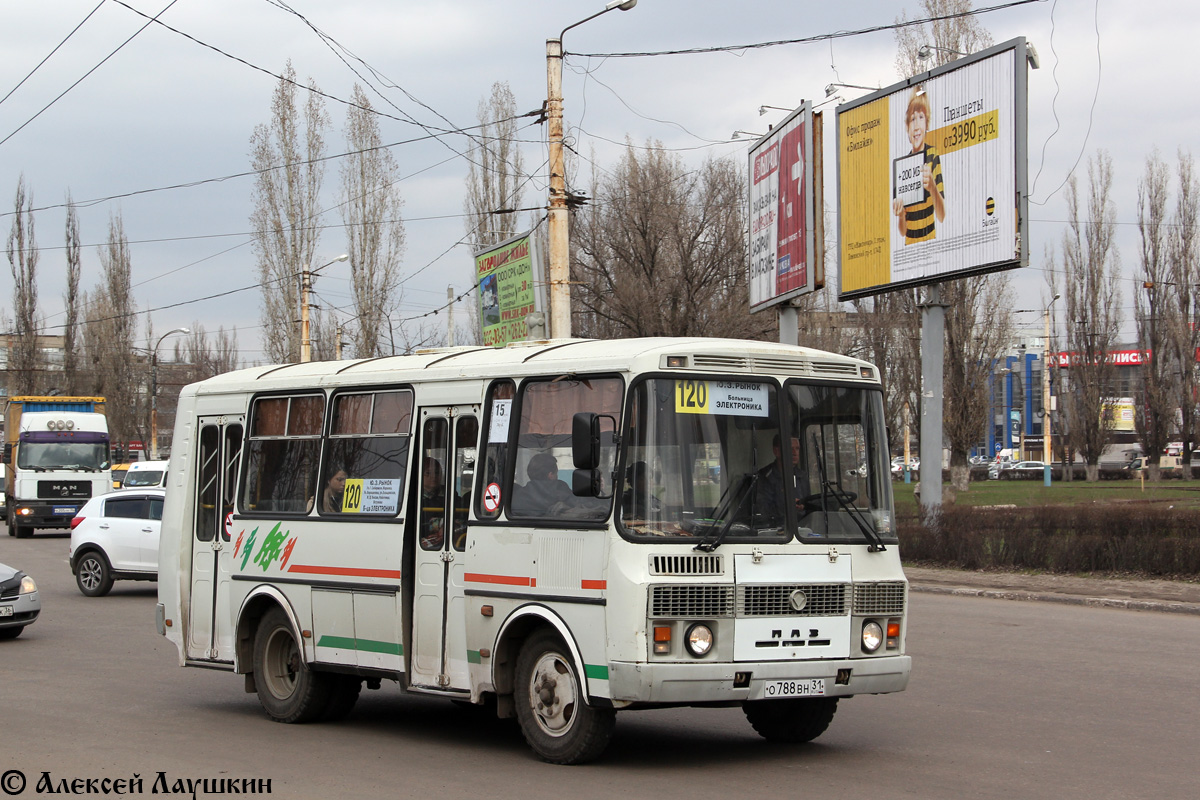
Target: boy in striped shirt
916 222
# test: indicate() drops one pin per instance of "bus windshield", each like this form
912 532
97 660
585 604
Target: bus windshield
45 456
714 461
699 462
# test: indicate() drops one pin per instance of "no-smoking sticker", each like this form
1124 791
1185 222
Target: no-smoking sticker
229 525
491 498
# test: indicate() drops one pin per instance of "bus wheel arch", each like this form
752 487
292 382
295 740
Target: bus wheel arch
521 625
257 604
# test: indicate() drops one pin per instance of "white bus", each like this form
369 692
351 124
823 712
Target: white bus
560 529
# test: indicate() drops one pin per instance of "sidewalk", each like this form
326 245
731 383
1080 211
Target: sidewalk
1179 597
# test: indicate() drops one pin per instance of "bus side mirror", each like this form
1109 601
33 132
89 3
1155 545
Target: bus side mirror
585 441
586 483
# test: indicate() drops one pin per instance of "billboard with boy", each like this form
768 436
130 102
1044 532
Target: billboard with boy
781 212
931 175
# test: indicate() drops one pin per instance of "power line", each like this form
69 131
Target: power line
90 71
809 39
51 53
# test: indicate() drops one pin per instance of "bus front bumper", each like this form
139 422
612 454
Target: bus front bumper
682 683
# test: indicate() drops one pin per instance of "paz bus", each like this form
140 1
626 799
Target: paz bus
559 530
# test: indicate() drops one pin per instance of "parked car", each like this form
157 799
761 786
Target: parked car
1027 470
914 464
19 602
115 537
145 473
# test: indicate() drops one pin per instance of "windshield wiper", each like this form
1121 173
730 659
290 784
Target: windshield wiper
846 501
737 499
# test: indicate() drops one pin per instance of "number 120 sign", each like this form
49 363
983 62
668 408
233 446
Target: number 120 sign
727 398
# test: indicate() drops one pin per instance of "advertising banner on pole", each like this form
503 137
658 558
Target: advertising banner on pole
932 176
509 277
781 212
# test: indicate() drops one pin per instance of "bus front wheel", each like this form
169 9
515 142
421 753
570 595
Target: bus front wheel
792 721
288 690
551 705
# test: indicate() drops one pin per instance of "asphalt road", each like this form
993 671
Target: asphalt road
1007 700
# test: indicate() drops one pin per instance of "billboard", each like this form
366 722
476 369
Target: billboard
783 263
509 278
932 176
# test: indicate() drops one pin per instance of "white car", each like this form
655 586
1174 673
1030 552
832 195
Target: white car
19 602
145 473
115 537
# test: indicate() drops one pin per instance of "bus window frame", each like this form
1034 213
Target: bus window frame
328 437
249 437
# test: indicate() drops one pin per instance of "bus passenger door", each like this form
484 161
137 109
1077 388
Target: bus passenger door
218 455
444 470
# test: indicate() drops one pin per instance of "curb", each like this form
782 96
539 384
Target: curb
1067 599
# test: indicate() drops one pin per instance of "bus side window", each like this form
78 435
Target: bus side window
285 441
498 413
367 453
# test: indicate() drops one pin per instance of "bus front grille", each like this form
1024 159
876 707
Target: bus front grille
792 600
691 601
879 598
687 565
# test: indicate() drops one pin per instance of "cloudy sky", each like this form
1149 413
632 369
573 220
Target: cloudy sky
165 110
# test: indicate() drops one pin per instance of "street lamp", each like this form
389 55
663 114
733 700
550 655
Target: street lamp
557 224
154 390
763 109
832 88
305 288
1047 400
926 51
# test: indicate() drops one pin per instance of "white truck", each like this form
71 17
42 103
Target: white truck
57 454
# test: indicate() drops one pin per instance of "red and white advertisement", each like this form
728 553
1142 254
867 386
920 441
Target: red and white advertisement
781 209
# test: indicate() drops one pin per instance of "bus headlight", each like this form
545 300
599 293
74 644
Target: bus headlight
699 640
872 636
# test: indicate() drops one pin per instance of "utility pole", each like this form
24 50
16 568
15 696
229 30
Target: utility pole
338 344
306 287
558 220
450 316
154 390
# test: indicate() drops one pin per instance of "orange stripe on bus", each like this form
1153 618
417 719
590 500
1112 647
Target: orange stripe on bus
594 584
346 571
507 580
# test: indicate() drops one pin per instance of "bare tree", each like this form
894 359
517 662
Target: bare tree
1154 409
947 37
1183 249
371 206
494 171
662 251
287 153
109 339
1090 268
24 363
976 334
71 300
977 331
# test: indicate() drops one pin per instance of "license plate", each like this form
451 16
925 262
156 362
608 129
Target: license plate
65 510
6 611
810 687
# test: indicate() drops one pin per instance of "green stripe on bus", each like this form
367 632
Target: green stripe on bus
596 671
366 645
473 657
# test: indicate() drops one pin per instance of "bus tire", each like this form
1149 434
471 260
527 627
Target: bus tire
93 575
343 694
287 689
791 721
551 705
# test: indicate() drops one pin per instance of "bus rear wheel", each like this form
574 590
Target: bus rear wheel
551 705
287 689
791 721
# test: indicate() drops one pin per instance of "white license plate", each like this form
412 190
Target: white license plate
6 611
65 510
809 687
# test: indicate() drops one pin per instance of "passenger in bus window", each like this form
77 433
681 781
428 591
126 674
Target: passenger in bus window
433 504
331 498
544 491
